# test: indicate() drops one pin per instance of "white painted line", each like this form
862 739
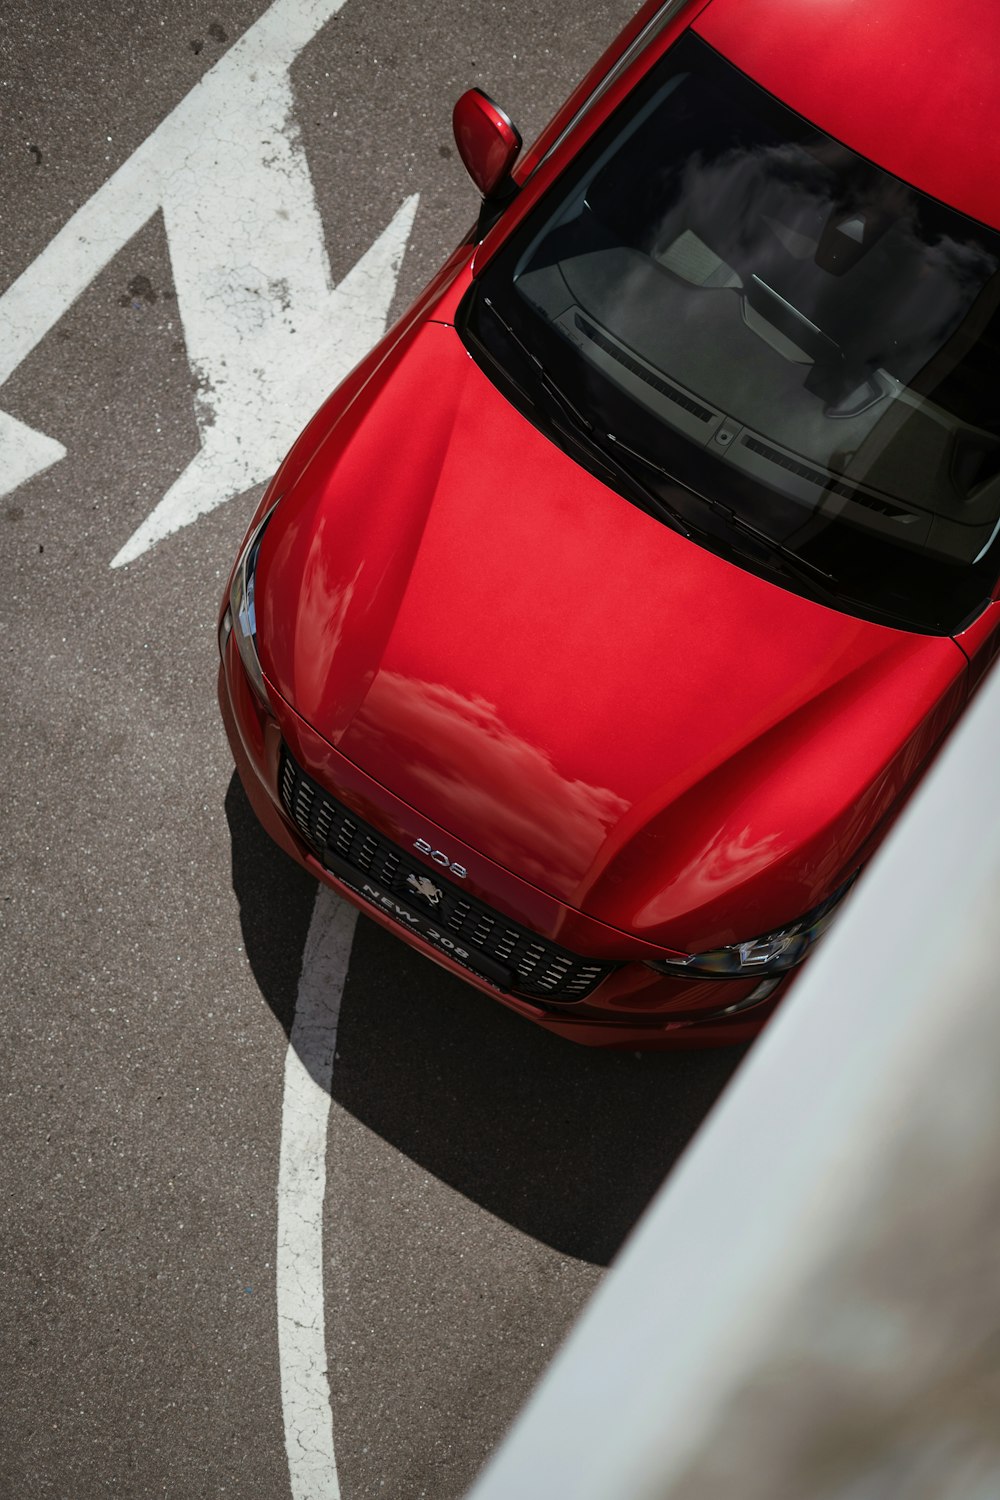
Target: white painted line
305 1386
268 335
24 452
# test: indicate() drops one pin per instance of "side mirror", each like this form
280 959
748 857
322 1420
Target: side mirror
487 142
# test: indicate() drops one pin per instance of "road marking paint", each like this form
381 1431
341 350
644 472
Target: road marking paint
305 1386
24 452
267 332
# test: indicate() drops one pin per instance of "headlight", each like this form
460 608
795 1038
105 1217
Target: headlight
241 613
774 953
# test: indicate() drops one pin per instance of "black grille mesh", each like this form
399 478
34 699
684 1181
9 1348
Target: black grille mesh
536 967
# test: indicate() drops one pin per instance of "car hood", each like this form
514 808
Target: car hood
638 727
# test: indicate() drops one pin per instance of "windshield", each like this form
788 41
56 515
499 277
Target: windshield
765 319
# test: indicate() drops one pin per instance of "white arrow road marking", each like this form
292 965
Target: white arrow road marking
305 1388
267 332
23 453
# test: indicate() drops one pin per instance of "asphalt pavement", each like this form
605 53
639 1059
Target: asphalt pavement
480 1174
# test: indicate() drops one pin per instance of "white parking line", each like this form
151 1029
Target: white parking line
305 1387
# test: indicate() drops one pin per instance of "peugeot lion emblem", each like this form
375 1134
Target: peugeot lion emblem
425 887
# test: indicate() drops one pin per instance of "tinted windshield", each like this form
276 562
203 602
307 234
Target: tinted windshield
778 325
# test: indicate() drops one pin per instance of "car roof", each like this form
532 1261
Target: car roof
910 84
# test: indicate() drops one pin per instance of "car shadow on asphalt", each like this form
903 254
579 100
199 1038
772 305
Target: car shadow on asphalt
565 1143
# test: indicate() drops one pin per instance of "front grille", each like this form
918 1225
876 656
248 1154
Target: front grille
535 967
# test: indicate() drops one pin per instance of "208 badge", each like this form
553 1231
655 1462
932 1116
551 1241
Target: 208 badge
440 858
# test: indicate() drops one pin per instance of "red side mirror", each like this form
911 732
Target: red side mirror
487 141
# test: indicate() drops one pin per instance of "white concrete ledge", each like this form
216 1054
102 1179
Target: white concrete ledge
811 1309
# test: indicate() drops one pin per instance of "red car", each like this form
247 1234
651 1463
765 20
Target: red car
596 628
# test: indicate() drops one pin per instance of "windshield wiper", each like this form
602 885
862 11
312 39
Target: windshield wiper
823 582
548 384
611 464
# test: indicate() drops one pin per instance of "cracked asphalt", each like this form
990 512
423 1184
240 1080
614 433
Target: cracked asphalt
480 1174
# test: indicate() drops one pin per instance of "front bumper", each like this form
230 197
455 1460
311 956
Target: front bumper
625 1004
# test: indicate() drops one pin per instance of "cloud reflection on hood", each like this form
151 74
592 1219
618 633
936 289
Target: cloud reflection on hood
482 776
